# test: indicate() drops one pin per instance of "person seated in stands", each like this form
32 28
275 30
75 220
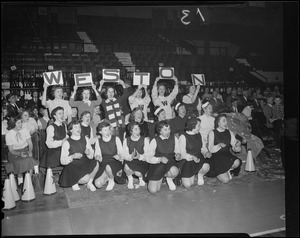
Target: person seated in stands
135 149
161 100
220 141
277 120
178 123
20 148
12 108
192 101
207 121
244 101
112 108
219 95
77 158
194 154
234 105
267 110
74 114
56 135
232 96
137 116
164 152
86 129
85 103
35 101
215 102
57 93
207 95
140 98
109 153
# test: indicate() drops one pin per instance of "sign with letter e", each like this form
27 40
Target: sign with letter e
166 72
111 75
83 79
53 78
141 78
198 79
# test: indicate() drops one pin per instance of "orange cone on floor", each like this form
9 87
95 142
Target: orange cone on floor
7 196
13 185
49 183
249 163
28 191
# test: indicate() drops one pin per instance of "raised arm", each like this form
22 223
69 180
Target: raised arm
44 97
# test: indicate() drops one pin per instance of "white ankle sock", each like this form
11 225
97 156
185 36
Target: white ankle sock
229 174
171 184
20 180
142 182
91 186
111 184
130 182
76 187
200 179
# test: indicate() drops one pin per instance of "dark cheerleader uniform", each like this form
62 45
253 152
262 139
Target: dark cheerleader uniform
191 108
108 150
164 148
178 124
85 131
221 161
78 168
52 156
135 164
193 147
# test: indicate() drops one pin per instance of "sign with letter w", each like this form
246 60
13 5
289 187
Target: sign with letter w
53 78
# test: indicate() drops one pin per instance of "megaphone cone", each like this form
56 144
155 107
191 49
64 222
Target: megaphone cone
8 197
49 183
28 191
13 185
249 163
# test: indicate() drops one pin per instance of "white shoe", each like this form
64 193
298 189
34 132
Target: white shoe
130 182
111 184
142 182
229 174
171 184
76 187
200 180
91 186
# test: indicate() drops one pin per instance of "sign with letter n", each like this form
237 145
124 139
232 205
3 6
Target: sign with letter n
198 79
166 72
53 78
141 78
111 75
83 79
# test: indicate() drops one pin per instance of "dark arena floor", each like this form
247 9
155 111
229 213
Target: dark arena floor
252 203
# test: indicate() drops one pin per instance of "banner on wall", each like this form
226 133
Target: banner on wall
83 79
141 78
166 72
53 78
198 79
111 75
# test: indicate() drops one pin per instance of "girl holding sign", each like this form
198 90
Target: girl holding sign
192 101
159 98
140 99
85 104
163 154
57 93
135 151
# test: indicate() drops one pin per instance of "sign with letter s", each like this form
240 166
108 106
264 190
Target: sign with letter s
111 75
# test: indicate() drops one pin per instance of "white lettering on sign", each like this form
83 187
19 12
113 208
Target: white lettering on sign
141 78
198 79
83 79
111 75
53 78
166 72
186 13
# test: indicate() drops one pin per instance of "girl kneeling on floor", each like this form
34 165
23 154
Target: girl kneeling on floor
163 153
222 161
194 154
77 156
135 149
109 152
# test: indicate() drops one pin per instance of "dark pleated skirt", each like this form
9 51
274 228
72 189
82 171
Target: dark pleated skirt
220 163
115 165
21 165
190 168
139 166
157 171
51 158
74 171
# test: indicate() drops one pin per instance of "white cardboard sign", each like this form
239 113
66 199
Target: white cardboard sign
53 78
166 72
198 79
83 79
141 78
111 75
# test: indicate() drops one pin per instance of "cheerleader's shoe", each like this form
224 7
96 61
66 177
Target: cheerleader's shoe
91 187
76 187
229 175
200 180
171 184
111 184
142 182
130 182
